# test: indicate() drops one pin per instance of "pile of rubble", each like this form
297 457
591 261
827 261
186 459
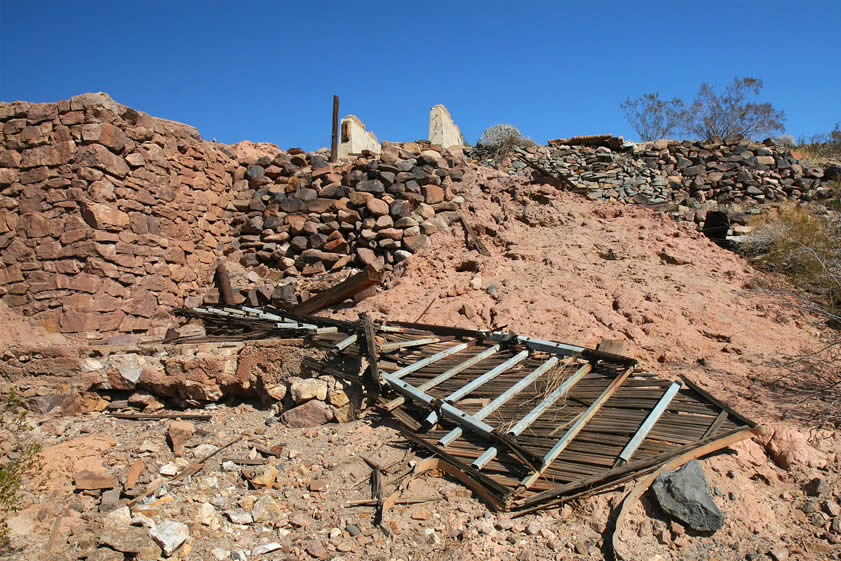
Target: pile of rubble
300 215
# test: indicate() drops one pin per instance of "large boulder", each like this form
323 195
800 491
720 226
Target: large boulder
685 494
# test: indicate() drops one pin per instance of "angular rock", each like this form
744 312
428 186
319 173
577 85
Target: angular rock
178 433
87 480
266 509
105 554
104 217
310 388
265 548
170 535
377 207
129 539
310 414
685 495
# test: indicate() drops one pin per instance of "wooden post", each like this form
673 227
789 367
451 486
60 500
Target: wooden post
334 147
366 333
223 282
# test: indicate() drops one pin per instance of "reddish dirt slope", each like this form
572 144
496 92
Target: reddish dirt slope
569 269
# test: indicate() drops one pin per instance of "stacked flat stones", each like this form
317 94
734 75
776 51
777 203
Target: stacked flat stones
301 215
694 173
108 216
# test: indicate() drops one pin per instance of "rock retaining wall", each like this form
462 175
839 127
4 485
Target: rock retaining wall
299 215
107 216
735 171
110 218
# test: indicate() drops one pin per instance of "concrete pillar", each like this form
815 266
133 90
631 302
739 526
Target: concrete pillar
442 130
353 138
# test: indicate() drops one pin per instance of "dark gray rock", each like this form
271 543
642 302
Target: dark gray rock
816 487
371 186
685 495
254 172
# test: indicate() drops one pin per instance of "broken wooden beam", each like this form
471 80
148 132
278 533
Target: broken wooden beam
363 280
473 240
367 334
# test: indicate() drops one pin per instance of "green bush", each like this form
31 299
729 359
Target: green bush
20 457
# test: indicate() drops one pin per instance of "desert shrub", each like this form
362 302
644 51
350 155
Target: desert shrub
713 113
20 457
803 243
821 148
653 118
500 141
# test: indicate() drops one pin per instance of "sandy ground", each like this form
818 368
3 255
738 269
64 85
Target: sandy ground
561 268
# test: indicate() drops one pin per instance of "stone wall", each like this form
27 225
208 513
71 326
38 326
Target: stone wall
108 216
297 215
708 174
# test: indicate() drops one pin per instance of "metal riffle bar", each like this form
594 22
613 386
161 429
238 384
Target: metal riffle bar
533 415
397 345
649 422
444 376
428 360
345 343
432 418
450 437
576 427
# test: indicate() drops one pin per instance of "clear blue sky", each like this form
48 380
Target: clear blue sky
267 71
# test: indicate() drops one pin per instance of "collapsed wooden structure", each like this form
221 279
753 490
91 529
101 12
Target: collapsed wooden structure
526 423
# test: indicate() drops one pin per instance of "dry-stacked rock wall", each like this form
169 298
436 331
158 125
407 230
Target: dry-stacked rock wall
711 173
299 215
110 218
107 216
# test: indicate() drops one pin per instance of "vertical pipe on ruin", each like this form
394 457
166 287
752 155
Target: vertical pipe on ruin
223 282
334 146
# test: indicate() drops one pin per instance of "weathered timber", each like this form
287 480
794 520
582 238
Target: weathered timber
473 240
223 283
363 280
334 150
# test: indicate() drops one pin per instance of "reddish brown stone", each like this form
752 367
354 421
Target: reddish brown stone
98 156
35 175
103 216
73 236
8 176
338 245
143 304
35 225
39 112
175 255
179 432
85 282
49 249
319 205
10 274
9 159
432 194
77 322
296 223
88 480
85 303
41 156
311 413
